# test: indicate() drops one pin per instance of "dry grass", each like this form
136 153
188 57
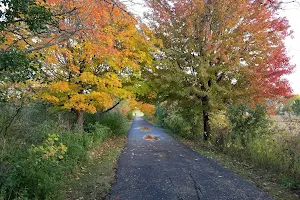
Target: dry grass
290 124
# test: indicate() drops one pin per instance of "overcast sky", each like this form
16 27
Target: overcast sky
290 11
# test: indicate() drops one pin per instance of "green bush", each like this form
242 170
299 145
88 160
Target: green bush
183 122
90 119
220 129
176 123
247 123
20 119
253 138
37 171
115 121
296 107
160 114
100 132
78 144
129 115
40 148
280 153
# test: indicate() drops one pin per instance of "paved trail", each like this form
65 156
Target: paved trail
167 169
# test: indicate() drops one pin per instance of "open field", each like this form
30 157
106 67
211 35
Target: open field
290 124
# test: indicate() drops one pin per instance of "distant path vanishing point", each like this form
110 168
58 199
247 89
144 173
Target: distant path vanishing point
167 169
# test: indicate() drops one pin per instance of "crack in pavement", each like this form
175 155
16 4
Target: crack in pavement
177 197
198 190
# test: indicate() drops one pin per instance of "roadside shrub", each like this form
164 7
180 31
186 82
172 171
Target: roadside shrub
176 123
77 144
253 138
39 148
129 115
220 128
21 120
115 121
247 123
100 132
182 121
280 153
160 114
296 107
37 171
90 119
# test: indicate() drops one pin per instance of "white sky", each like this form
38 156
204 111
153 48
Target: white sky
290 11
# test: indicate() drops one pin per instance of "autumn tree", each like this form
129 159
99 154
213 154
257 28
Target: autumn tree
93 70
26 27
219 52
146 108
18 17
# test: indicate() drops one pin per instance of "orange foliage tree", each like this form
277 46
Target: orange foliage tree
93 70
146 108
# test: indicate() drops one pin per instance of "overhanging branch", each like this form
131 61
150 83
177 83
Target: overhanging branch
109 109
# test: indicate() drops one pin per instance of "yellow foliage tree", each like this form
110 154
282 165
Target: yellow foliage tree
94 69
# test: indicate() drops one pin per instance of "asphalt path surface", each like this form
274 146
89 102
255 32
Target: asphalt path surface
167 169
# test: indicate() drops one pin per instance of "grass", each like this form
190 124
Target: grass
93 181
265 180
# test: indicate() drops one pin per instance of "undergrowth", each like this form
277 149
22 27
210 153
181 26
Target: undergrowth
38 153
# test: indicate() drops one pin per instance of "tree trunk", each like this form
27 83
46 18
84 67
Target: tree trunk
80 120
205 114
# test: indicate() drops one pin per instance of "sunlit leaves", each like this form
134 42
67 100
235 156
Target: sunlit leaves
148 109
94 68
50 149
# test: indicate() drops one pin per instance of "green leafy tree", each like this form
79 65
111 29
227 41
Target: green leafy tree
218 53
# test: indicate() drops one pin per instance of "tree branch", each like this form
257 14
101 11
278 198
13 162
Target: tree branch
109 109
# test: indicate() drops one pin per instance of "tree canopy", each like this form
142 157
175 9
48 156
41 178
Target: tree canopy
198 56
219 52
